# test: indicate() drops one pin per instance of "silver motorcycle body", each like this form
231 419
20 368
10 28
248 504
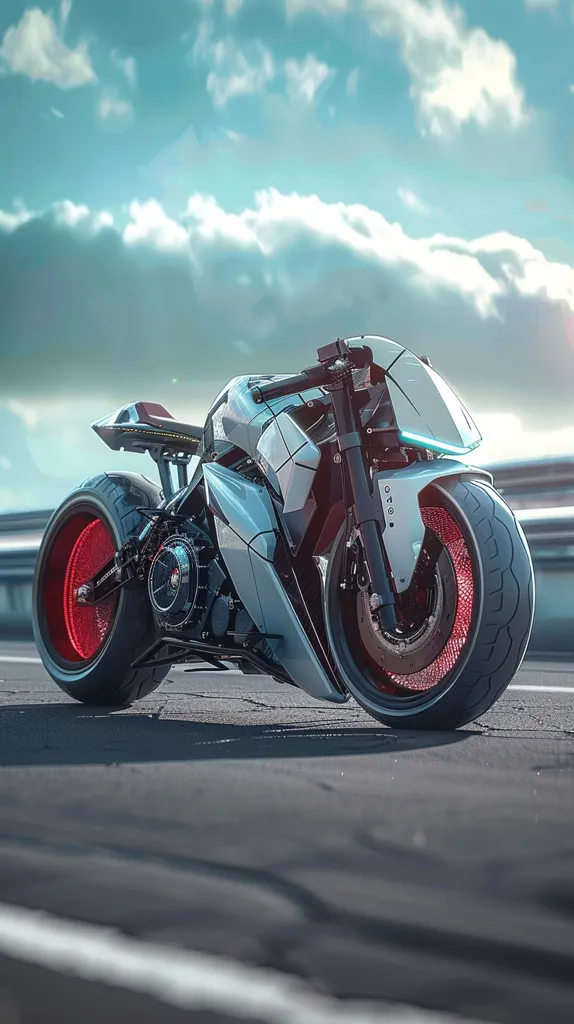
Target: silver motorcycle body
428 415
332 536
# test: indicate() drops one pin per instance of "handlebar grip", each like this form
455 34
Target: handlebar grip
281 388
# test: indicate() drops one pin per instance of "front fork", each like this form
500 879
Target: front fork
367 513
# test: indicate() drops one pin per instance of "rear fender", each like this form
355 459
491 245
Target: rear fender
404 530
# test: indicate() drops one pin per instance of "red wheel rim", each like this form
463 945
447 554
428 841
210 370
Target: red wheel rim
449 533
87 625
81 549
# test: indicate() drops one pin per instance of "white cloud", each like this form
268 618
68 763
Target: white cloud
328 7
493 313
352 83
34 48
459 74
150 224
533 5
112 110
10 220
77 216
412 201
236 72
278 219
65 9
57 113
435 263
5 463
305 77
127 66
482 271
232 7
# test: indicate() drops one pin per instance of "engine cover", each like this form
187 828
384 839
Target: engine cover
174 581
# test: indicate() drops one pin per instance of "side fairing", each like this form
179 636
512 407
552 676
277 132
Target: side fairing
246 526
267 434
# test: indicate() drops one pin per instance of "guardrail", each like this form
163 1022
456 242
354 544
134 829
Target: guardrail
549 529
536 483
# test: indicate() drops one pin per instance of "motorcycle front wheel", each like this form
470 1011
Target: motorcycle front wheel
463 632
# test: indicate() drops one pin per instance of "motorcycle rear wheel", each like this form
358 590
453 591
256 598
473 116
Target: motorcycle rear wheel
453 665
88 651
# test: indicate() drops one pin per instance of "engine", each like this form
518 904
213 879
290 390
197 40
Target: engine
178 580
189 590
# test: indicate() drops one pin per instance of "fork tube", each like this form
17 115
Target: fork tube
367 513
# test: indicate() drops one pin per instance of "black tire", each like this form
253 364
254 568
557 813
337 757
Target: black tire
104 677
499 627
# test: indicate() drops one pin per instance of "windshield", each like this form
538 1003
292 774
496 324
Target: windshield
427 411
384 350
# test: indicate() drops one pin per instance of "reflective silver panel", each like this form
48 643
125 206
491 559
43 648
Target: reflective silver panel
292 456
244 420
294 651
271 447
296 482
235 554
399 491
246 506
247 544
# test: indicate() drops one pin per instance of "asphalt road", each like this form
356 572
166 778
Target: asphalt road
231 816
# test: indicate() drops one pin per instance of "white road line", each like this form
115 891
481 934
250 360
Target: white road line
180 977
533 688
18 659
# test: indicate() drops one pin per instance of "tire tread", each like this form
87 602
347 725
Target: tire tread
507 614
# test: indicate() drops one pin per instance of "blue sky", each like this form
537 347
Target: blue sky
195 188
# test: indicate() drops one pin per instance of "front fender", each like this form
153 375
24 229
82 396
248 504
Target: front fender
404 530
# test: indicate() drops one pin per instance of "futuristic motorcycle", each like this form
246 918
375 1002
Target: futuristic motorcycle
329 537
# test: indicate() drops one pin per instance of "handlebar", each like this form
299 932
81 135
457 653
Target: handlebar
304 381
314 376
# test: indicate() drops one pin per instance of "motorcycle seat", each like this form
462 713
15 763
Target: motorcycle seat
154 415
145 425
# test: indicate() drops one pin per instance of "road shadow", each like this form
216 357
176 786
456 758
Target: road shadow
70 734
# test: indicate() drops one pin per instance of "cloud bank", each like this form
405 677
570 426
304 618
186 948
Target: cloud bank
90 303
